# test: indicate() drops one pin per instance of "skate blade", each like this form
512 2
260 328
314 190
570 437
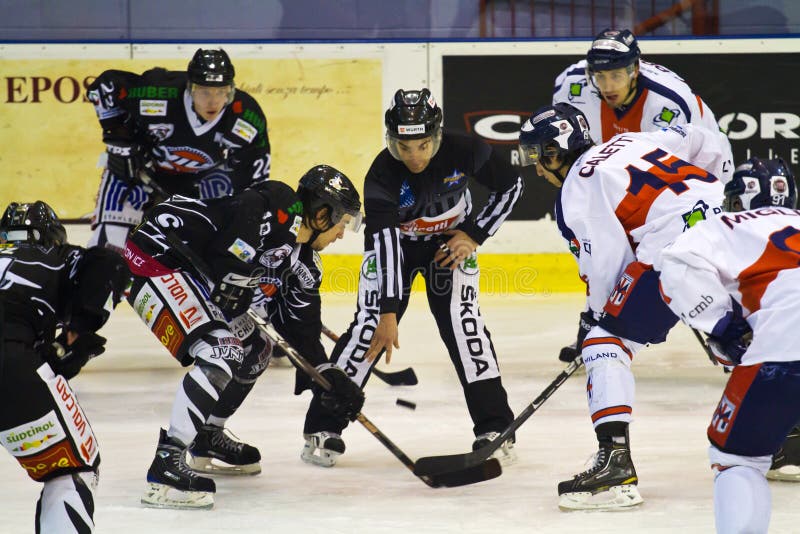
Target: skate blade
323 459
163 496
787 473
214 466
615 497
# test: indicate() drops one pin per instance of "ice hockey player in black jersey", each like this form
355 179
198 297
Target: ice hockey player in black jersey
47 284
190 132
248 243
419 220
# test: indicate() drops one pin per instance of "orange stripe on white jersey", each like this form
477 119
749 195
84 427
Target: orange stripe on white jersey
782 252
700 104
614 410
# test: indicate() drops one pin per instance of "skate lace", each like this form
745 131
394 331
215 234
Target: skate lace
595 462
221 439
177 462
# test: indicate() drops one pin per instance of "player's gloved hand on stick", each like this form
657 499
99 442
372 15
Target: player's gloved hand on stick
570 352
125 160
731 337
231 296
67 359
345 399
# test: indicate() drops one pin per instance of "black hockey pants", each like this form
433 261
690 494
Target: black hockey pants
453 300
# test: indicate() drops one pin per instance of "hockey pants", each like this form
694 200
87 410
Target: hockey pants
453 300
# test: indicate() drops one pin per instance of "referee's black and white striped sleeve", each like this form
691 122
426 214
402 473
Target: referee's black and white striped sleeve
388 259
498 208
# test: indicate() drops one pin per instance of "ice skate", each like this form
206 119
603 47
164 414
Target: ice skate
322 448
505 453
171 483
786 462
216 452
610 483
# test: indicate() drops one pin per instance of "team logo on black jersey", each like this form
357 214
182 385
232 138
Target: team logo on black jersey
275 256
161 131
184 159
407 198
454 179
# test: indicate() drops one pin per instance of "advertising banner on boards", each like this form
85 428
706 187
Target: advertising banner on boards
50 139
751 95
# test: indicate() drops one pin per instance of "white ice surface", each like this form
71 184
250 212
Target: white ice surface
127 394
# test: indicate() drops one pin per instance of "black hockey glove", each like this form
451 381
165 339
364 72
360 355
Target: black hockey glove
67 360
586 322
125 160
345 399
233 294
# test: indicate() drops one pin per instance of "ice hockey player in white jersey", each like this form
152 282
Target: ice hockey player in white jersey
619 205
619 92
736 277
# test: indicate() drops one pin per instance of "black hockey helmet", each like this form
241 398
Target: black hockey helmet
211 67
559 131
612 49
34 222
325 187
759 183
413 115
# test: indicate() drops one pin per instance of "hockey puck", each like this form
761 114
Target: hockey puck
407 404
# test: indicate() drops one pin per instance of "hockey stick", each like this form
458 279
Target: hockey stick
481 472
709 352
477 473
455 466
406 377
705 346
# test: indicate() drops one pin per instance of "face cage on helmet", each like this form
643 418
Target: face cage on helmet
393 139
231 93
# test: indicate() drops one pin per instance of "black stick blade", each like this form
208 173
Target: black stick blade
434 465
406 377
472 474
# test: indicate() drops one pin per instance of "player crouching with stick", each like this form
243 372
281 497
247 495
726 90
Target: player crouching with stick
248 241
